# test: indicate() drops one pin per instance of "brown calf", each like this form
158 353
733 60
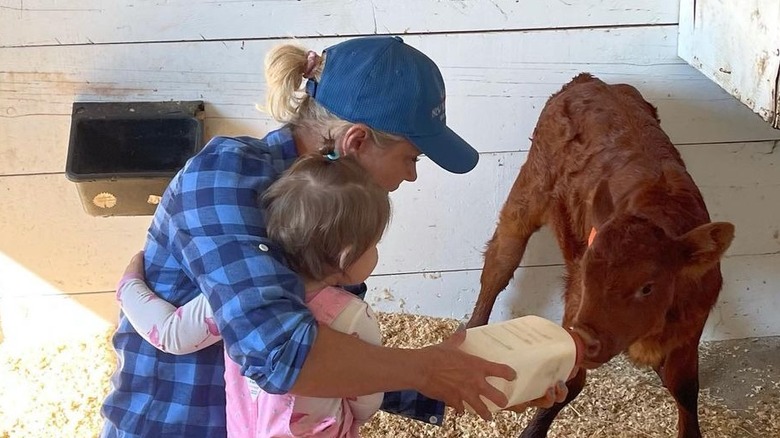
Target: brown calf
600 163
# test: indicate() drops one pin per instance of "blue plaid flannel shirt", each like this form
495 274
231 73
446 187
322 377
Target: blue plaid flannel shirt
205 237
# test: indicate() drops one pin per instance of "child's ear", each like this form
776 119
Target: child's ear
344 257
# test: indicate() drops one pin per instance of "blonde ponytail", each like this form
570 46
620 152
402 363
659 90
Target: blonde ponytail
288 103
284 69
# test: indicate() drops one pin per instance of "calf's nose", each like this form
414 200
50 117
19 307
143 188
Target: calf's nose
590 342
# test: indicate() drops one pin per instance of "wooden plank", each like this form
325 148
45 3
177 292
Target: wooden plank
746 307
33 144
534 290
748 303
740 183
743 309
441 222
52 22
497 84
735 44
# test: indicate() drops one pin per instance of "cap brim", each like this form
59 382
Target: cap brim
448 150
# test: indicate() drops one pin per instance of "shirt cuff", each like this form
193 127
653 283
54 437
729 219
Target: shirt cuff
412 404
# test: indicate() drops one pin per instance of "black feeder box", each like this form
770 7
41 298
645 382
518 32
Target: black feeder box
122 155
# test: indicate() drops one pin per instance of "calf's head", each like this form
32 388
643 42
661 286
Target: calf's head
629 274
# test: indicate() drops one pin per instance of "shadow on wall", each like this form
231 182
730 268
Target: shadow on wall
33 311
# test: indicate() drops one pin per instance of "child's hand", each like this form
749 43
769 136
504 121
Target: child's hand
135 269
555 394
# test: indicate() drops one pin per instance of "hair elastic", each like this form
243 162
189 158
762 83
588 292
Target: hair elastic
312 61
333 155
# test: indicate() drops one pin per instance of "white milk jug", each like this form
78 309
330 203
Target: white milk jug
540 351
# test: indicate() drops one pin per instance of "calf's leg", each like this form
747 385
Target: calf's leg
520 217
543 418
680 374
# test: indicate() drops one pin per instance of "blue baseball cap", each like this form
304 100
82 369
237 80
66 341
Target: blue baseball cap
392 87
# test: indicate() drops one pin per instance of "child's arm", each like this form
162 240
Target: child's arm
360 321
173 330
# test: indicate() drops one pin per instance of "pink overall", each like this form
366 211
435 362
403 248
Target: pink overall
254 413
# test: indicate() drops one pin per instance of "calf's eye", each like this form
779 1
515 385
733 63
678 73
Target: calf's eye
645 290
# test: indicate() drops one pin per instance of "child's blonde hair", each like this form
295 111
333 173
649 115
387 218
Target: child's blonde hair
287 102
325 214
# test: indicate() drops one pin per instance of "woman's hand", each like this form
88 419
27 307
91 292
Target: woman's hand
555 394
455 377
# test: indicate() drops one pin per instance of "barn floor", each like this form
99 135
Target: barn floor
56 390
743 373
739 398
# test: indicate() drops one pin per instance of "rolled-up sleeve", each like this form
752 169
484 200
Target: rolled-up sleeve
218 231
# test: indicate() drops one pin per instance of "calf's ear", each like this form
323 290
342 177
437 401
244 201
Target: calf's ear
603 206
704 246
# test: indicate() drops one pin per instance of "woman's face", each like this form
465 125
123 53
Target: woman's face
390 164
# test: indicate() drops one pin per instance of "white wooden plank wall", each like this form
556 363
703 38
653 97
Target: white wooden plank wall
58 22
501 60
736 43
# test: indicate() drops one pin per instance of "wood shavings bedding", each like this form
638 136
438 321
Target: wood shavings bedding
56 391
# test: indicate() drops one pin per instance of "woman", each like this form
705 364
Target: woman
376 99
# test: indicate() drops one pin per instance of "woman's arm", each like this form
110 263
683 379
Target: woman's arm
342 363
